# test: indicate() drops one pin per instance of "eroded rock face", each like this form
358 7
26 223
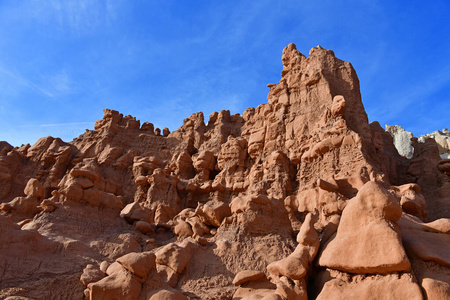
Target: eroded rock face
368 240
297 198
371 287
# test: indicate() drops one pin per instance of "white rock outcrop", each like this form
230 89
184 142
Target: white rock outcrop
402 140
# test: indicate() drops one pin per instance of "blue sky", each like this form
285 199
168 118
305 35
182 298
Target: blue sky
62 62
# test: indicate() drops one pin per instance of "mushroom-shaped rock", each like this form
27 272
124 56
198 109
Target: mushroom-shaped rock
147 126
166 131
368 239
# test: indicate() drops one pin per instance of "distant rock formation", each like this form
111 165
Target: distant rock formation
442 139
403 142
298 198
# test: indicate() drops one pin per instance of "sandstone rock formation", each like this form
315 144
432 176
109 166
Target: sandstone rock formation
299 198
442 139
368 219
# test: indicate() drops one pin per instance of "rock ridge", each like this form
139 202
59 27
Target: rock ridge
297 198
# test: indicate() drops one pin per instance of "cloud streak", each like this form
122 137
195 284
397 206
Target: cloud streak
78 16
25 82
413 97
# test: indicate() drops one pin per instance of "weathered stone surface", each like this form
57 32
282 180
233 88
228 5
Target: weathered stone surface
175 256
402 140
368 239
183 229
122 284
434 280
260 289
247 275
176 215
297 264
427 241
34 188
138 263
411 200
442 139
167 295
91 274
372 287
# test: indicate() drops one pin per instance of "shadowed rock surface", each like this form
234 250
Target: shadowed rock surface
299 198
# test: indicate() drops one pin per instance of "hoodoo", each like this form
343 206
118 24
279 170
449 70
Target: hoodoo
298 198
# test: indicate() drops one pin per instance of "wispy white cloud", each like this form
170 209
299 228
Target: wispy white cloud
50 85
79 16
410 104
59 83
18 135
17 78
75 16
